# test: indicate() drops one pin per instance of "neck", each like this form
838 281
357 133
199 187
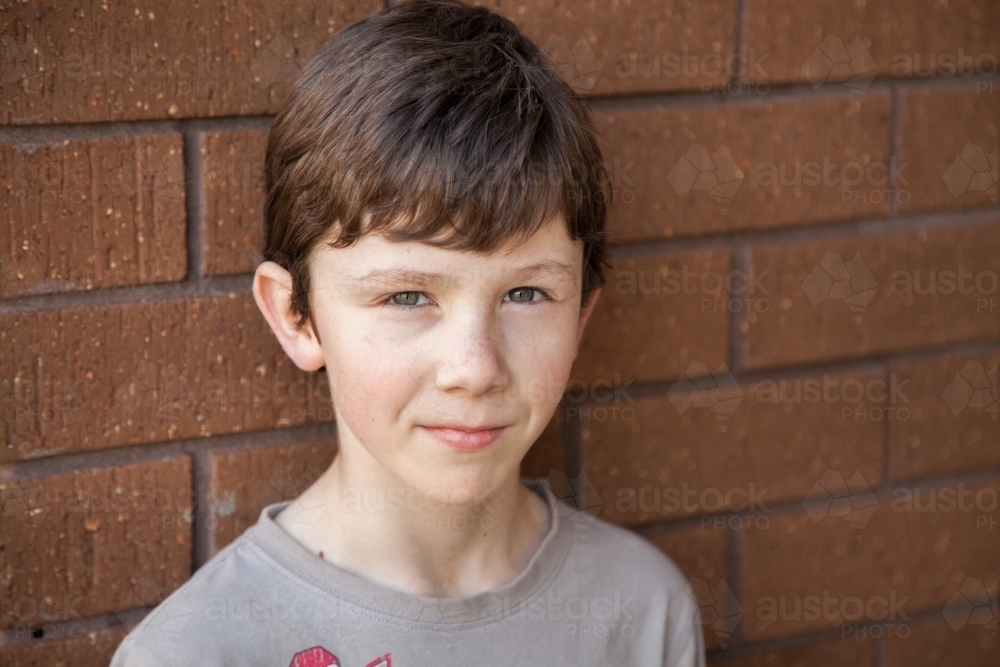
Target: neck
387 532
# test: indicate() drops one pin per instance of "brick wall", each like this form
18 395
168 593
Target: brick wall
789 384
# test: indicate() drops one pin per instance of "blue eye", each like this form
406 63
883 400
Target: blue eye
405 299
526 294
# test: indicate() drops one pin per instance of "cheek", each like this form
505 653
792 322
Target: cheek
541 358
372 380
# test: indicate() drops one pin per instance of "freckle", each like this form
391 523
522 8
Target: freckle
320 554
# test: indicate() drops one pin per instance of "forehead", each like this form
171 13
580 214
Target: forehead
550 252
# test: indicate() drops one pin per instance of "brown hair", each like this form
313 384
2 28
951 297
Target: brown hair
437 121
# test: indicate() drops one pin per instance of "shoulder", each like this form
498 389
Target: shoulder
191 625
623 555
642 585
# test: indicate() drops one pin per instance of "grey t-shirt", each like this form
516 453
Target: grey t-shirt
593 594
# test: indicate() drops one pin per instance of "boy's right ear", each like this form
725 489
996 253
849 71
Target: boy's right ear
272 290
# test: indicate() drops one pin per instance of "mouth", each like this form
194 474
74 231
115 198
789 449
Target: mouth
458 437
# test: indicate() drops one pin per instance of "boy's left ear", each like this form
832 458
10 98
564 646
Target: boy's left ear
585 311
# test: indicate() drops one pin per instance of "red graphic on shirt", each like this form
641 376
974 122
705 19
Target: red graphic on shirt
384 661
317 656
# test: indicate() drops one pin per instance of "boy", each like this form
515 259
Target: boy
434 237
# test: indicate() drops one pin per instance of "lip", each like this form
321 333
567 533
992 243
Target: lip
465 439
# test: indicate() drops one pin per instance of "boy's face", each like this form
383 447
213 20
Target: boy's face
422 344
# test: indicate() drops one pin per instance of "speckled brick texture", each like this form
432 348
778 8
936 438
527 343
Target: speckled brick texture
193 368
788 385
79 649
93 542
632 47
884 561
679 300
895 39
942 166
876 294
799 165
115 62
234 197
950 424
91 214
937 643
765 443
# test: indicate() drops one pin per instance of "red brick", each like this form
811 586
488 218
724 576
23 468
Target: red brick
950 428
91 213
656 314
900 38
93 649
167 60
892 318
234 195
242 483
917 550
675 458
75 544
632 47
942 165
90 378
857 652
701 556
775 178
936 644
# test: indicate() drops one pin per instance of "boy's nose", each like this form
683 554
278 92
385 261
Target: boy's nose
470 356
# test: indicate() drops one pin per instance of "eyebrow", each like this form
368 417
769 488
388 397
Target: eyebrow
393 275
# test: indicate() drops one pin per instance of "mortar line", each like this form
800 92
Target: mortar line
855 365
129 128
859 228
777 92
161 451
740 42
195 203
740 265
202 535
895 144
734 570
